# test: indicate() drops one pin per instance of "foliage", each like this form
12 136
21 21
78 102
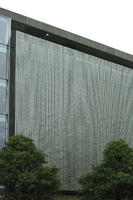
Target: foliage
112 179
24 173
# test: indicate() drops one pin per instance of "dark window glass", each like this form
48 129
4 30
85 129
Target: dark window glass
2 129
2 62
2 97
4 31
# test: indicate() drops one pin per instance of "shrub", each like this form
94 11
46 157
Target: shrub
24 173
112 179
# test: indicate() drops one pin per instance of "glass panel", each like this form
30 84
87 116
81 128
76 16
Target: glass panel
4 31
2 130
3 51
2 96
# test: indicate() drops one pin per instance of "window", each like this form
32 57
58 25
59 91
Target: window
2 129
2 96
4 31
3 51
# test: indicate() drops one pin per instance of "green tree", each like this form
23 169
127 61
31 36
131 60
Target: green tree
24 173
112 179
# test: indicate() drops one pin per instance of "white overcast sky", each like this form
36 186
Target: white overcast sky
106 21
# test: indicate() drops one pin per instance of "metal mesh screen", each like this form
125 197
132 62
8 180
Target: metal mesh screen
71 104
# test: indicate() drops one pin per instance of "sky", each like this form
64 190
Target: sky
109 22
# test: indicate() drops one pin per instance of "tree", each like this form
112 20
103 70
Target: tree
24 173
112 179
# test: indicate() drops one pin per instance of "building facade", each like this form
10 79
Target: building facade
68 93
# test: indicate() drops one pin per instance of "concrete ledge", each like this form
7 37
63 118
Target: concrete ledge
59 36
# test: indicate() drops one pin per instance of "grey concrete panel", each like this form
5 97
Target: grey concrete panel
71 103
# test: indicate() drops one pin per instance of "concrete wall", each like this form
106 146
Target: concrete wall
71 104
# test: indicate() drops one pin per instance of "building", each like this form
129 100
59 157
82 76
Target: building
70 94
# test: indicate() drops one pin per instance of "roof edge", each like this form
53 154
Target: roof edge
65 38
